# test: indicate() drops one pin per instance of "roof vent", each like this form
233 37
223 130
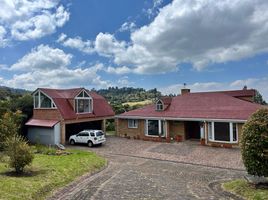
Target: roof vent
184 90
245 87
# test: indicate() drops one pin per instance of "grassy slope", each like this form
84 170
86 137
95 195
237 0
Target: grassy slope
49 173
241 188
146 102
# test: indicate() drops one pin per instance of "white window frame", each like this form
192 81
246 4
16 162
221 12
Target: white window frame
158 104
211 133
90 102
133 123
52 106
159 128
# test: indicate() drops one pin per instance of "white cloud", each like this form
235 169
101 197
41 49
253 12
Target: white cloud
25 20
128 26
198 32
43 58
3 40
124 82
256 83
50 67
118 70
151 12
76 43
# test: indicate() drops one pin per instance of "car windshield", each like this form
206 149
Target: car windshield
99 133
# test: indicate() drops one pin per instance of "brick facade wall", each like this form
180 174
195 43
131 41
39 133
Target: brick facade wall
177 128
123 130
46 114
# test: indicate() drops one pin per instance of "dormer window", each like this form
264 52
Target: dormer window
83 103
159 105
43 101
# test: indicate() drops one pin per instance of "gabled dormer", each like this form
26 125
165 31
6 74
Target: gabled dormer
83 102
162 103
42 100
159 105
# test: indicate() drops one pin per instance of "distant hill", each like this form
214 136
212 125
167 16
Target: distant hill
128 94
7 92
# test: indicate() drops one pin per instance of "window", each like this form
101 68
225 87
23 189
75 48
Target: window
83 103
159 105
99 133
132 123
155 128
43 101
92 134
222 132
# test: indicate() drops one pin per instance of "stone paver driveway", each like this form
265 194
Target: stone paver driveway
149 170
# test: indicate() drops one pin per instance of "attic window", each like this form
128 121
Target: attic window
83 103
43 101
159 105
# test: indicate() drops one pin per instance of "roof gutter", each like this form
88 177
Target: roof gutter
182 119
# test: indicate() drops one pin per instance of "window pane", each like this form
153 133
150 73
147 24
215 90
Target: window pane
209 130
162 128
86 105
99 133
153 127
221 131
85 94
36 100
80 95
45 101
234 132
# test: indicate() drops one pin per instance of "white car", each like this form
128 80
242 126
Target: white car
89 137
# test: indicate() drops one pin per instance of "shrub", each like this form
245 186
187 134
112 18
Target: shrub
19 153
254 143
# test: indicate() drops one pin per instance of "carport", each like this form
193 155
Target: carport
74 128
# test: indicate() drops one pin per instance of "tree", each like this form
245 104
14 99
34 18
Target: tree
254 143
258 98
9 126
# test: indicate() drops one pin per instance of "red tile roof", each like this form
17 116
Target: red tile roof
61 98
203 105
42 122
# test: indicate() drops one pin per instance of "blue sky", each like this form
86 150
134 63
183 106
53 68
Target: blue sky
210 45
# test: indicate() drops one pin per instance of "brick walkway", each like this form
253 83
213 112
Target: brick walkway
130 176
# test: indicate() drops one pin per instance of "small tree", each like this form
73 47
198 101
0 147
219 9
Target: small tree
254 143
9 126
19 153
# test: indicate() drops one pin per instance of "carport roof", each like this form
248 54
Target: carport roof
42 122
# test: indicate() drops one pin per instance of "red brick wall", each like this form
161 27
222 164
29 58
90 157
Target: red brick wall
123 130
46 114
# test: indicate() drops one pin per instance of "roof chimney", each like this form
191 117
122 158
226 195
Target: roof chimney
245 87
184 90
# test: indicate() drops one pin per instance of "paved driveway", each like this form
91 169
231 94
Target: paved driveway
149 170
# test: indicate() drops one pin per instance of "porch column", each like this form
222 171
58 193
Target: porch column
103 125
62 133
167 131
206 132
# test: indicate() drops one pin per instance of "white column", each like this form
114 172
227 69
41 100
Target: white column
231 131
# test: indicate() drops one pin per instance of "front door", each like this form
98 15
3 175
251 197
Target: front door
192 130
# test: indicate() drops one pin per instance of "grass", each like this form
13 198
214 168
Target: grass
142 103
243 189
46 174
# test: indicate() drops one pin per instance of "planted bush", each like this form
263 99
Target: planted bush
254 143
19 153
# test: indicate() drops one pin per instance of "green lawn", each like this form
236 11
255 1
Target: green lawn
48 172
243 189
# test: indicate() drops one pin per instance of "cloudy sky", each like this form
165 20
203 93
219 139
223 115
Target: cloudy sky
208 44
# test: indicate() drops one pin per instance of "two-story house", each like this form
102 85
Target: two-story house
59 113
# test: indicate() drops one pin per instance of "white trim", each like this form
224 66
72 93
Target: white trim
182 119
157 103
135 123
89 98
39 100
230 132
